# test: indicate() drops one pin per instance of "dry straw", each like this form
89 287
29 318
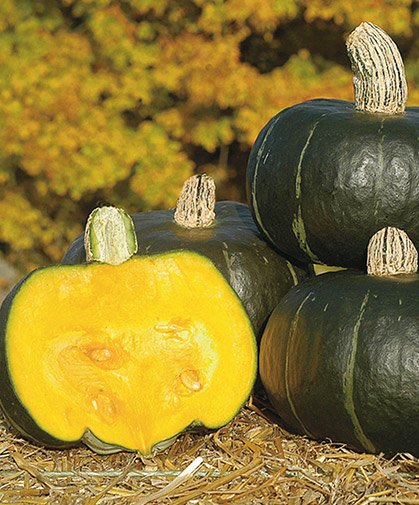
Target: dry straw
250 461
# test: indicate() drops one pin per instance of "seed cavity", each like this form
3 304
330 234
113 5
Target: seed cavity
104 356
175 331
168 328
190 380
81 367
105 406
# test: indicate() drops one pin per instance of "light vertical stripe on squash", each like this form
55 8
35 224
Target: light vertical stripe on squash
299 230
292 272
298 226
300 161
348 383
287 388
258 158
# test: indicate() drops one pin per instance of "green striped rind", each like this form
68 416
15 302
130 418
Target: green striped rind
262 154
295 273
275 179
322 178
98 446
288 388
380 168
348 382
339 360
298 226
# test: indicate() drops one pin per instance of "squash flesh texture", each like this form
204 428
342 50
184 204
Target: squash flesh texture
134 352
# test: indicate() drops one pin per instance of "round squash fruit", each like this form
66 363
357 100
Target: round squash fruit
324 175
124 354
224 232
339 358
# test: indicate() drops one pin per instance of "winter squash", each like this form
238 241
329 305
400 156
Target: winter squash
224 232
125 353
339 358
324 175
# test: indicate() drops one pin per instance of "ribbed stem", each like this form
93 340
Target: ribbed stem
379 76
195 205
390 252
109 236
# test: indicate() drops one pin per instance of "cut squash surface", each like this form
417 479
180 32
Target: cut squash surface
134 353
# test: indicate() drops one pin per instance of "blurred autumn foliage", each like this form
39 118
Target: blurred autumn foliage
120 101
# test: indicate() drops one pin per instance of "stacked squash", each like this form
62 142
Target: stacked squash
338 183
152 324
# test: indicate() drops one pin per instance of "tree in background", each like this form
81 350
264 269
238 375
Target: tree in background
120 101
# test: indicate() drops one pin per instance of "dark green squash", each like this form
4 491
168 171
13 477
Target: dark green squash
225 233
324 175
339 357
123 354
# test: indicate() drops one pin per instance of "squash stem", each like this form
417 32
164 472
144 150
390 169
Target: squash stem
109 236
390 252
379 76
196 202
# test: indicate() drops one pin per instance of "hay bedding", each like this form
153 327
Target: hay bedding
250 461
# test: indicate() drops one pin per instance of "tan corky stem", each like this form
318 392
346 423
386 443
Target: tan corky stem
195 205
390 251
379 77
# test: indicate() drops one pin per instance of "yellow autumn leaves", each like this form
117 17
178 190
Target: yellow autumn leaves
119 102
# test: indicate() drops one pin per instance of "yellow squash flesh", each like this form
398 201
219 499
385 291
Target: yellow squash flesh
134 353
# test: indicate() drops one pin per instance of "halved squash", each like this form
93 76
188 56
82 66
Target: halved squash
124 355
224 232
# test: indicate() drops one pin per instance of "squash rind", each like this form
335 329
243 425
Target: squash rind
339 359
322 178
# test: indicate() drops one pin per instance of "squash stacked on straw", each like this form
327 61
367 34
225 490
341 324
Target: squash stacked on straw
337 183
152 324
